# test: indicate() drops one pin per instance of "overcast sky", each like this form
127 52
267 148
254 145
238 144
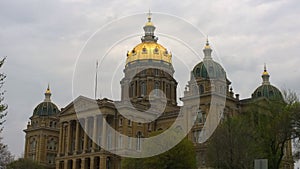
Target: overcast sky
42 40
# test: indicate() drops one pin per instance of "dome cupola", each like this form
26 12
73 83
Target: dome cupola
208 68
266 89
149 49
46 108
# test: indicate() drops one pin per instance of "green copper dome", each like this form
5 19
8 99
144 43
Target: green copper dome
46 108
266 89
208 68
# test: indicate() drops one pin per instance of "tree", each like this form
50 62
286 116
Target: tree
3 106
182 156
24 164
232 145
5 155
264 130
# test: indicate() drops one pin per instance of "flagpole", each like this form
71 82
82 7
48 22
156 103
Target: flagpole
96 77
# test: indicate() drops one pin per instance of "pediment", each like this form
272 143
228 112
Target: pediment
80 104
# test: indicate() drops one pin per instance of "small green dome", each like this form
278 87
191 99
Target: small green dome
45 109
268 91
209 69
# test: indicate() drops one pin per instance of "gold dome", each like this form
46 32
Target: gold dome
265 73
149 51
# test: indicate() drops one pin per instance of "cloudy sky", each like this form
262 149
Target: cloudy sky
43 39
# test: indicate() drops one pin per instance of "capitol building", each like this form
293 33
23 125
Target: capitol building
77 137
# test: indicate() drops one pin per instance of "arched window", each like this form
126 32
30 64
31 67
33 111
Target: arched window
33 144
139 139
143 89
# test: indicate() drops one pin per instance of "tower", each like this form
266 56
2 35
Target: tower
42 134
148 67
208 96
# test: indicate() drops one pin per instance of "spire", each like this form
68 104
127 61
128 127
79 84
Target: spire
265 76
47 94
149 29
207 50
149 16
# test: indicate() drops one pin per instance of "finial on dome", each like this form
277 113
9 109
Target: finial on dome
265 76
207 50
149 16
265 70
48 94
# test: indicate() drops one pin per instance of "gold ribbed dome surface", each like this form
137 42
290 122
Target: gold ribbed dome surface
149 51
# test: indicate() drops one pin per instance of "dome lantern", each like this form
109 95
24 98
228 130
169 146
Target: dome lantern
207 51
265 76
47 95
149 29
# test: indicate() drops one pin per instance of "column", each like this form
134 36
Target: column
85 141
92 162
74 164
65 164
60 139
103 162
57 164
68 138
83 163
104 130
77 136
95 126
26 146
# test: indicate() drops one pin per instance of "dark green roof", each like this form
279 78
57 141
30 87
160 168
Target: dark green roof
45 109
268 91
209 69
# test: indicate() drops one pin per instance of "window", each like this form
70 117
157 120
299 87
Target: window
201 117
120 145
129 123
33 144
168 90
143 89
120 121
129 142
198 72
149 127
139 138
201 89
51 144
144 50
131 90
156 72
156 89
